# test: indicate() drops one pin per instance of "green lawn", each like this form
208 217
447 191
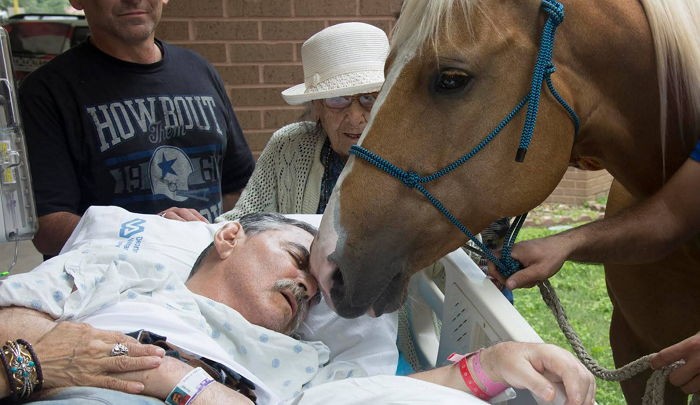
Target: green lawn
581 289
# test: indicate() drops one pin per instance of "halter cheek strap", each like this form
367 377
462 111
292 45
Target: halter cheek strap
542 73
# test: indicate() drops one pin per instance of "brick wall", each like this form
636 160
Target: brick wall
579 186
255 46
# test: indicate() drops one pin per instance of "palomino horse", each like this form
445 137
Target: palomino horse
452 115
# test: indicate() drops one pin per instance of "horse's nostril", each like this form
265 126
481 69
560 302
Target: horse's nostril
338 278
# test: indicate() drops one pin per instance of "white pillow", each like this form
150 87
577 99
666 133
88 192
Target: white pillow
178 244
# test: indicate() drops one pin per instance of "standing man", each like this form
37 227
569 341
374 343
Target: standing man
125 119
640 234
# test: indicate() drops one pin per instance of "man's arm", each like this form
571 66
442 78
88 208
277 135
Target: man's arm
72 354
54 230
160 381
532 366
643 233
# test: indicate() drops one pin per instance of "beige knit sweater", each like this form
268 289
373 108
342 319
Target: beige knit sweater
287 176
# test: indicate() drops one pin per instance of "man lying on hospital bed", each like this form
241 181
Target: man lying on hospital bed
126 272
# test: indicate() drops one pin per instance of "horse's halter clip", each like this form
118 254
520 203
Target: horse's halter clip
542 72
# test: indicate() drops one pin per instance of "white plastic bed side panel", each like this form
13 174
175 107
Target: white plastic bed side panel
475 312
425 302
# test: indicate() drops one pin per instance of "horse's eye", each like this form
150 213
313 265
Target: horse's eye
450 80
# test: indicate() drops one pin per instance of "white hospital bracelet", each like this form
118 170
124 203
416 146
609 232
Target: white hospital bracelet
189 387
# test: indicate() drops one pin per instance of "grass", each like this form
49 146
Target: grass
581 289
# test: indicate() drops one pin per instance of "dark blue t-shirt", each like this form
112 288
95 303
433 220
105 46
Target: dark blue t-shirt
695 154
102 131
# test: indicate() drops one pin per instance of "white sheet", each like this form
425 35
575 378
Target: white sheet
383 389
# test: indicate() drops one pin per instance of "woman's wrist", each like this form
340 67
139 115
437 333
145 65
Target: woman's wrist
22 370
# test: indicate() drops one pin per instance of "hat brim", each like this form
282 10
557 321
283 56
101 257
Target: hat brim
299 94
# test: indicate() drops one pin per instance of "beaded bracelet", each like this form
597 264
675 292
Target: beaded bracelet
480 384
191 385
22 367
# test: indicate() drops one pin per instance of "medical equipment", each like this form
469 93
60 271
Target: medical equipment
18 220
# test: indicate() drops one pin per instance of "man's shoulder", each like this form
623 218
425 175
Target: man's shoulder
181 53
695 154
69 63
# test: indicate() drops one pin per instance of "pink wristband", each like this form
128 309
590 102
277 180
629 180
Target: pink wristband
479 384
491 387
462 361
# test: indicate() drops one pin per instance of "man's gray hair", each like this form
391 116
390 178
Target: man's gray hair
257 223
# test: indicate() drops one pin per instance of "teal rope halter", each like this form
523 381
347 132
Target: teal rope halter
542 73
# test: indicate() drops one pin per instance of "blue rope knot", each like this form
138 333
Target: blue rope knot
549 69
410 179
555 10
510 266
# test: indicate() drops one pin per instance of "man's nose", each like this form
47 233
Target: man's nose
309 283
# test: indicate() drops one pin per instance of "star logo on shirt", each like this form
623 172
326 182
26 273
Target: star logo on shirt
166 166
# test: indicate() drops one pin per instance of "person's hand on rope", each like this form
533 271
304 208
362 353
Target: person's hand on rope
182 214
540 259
687 376
540 367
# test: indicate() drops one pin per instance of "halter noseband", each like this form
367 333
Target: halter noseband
544 67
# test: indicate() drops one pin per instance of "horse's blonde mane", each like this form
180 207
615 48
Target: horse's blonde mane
675 26
421 20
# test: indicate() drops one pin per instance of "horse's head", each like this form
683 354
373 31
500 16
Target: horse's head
455 72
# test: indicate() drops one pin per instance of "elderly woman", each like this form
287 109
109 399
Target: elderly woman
343 71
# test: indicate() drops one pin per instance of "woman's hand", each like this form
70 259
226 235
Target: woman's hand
75 354
182 214
538 367
159 381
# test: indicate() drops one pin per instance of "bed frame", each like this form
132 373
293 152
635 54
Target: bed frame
468 313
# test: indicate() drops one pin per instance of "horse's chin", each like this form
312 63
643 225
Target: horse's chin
390 300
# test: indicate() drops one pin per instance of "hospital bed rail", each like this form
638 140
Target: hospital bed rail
452 307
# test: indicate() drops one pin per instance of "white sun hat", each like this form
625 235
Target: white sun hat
341 60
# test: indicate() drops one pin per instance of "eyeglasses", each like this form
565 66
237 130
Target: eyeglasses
366 100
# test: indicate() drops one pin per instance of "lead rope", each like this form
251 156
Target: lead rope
654 392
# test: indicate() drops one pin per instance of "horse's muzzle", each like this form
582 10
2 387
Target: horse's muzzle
389 299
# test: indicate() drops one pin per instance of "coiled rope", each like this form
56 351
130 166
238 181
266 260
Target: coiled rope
654 392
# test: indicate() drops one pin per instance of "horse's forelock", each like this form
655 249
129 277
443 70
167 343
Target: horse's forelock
421 21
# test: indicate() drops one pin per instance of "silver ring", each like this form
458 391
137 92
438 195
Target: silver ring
119 349
162 214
